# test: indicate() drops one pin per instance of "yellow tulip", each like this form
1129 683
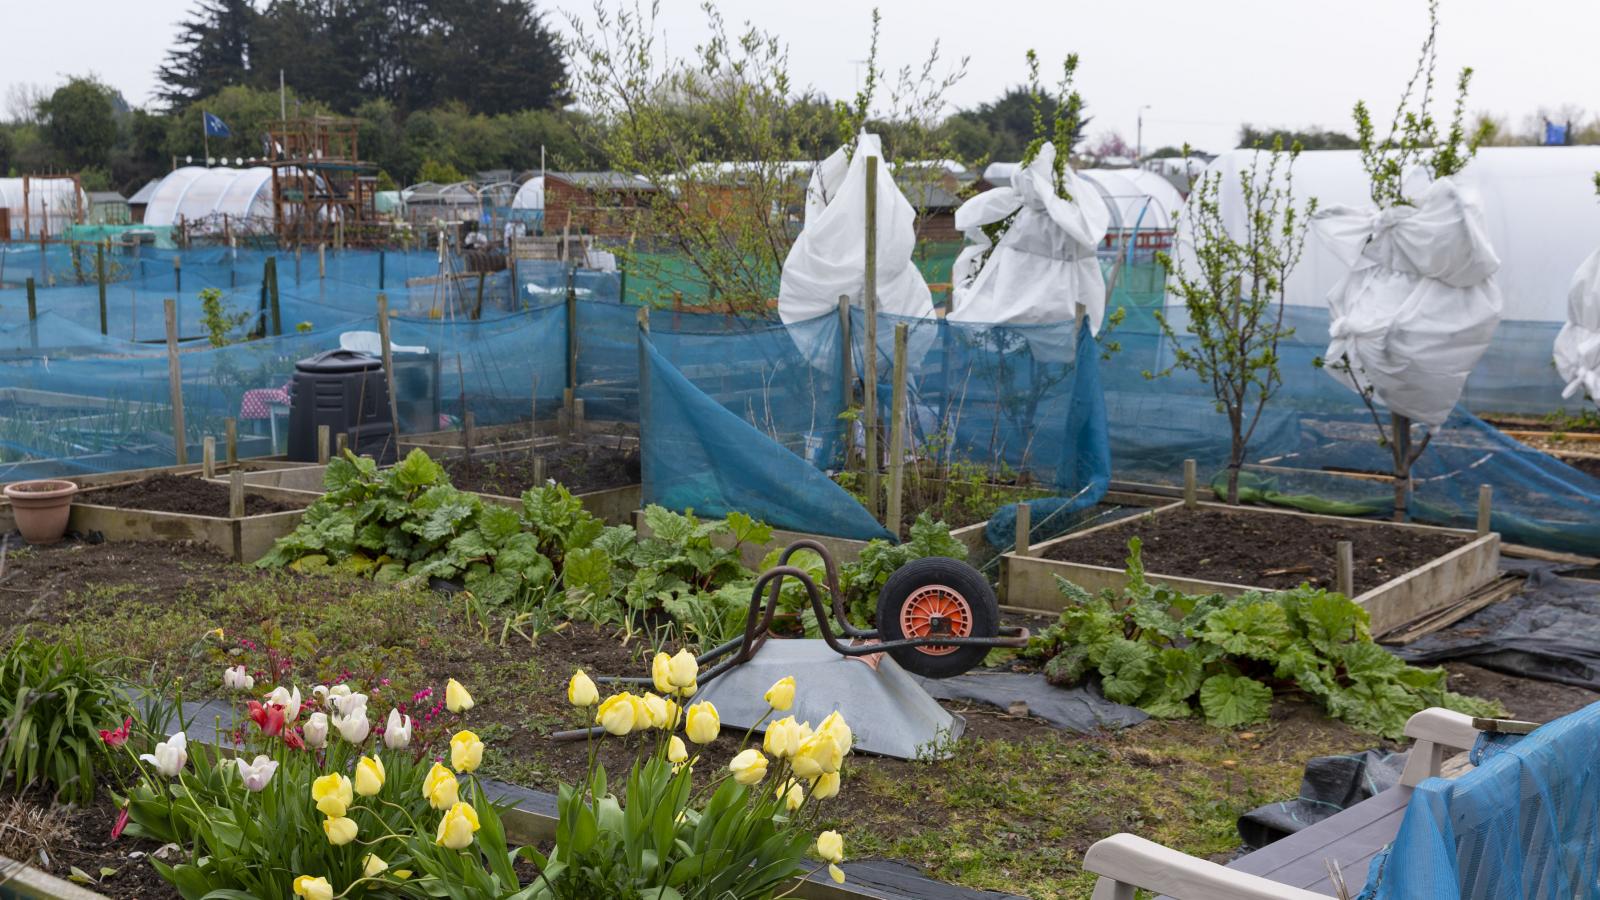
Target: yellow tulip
661 673
466 751
313 888
702 724
676 751
836 873
817 755
457 826
830 847
332 794
456 697
663 713
373 866
581 691
617 714
835 725
826 786
369 776
440 787
683 669
783 737
340 830
781 695
792 793
687 692
748 767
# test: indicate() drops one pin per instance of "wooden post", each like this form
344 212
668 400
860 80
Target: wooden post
100 279
177 275
208 456
236 493
297 263
572 341
477 307
230 437
564 417
341 443
388 368
869 299
644 376
1191 487
272 295
468 423
1485 496
1024 536
1345 576
382 258
538 471
322 261
175 378
33 313
897 431
323 437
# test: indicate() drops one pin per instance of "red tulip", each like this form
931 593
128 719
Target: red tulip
269 718
293 740
122 822
118 737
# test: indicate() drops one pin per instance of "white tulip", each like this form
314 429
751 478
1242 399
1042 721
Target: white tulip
170 755
354 727
331 695
316 730
290 701
255 775
237 679
397 731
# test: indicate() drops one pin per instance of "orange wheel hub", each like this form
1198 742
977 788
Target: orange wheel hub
934 610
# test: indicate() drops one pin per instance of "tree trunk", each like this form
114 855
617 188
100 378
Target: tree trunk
1400 427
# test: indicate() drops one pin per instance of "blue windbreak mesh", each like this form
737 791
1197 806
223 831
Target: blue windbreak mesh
1523 824
697 454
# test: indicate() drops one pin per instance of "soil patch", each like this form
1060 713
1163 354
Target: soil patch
1524 698
180 494
121 866
579 467
1258 549
1589 465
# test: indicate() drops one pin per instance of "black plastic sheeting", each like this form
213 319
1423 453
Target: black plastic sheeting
1081 709
1550 631
1331 784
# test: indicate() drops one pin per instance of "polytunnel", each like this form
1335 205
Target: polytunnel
42 204
205 195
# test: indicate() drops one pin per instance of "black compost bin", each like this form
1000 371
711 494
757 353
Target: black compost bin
345 391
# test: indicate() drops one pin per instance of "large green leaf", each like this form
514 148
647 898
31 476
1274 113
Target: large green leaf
1233 700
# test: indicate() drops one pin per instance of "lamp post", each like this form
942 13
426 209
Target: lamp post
1138 146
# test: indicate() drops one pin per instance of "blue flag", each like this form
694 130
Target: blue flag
1554 135
215 127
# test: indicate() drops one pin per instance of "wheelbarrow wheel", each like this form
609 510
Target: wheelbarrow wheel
932 596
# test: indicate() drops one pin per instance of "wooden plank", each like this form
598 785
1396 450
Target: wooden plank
1505 586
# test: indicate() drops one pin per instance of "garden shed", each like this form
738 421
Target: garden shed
595 202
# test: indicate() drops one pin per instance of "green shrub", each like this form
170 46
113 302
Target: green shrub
54 701
1166 652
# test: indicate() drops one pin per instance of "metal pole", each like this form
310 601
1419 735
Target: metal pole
869 299
847 375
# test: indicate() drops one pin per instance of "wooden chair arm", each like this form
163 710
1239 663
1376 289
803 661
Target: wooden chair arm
1126 862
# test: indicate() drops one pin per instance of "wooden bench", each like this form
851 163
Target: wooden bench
1300 866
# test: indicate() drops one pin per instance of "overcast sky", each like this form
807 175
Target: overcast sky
1202 67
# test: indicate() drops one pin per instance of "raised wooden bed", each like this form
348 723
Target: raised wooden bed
250 467
1027 581
243 539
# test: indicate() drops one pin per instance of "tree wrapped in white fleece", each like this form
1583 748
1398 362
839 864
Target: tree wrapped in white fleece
1417 309
1044 266
828 259
1578 344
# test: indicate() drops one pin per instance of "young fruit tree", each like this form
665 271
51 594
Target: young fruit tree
1419 304
1232 284
1577 350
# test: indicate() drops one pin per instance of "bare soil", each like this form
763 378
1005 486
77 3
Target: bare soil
1589 465
580 467
1259 549
180 494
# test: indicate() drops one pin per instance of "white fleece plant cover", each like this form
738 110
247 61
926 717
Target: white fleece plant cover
1045 266
1578 344
828 259
1417 309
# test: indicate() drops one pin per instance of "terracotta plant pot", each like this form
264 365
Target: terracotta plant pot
41 508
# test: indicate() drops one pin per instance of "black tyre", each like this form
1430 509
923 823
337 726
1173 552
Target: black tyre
933 596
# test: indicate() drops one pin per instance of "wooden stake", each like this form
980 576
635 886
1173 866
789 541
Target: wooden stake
847 377
100 278
1024 539
175 379
208 456
1191 486
565 416
468 423
577 406
533 411
177 274
33 313
322 260
230 437
1485 496
869 299
236 494
897 431
572 338
272 294
323 437
341 443
538 471
1345 577
388 368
